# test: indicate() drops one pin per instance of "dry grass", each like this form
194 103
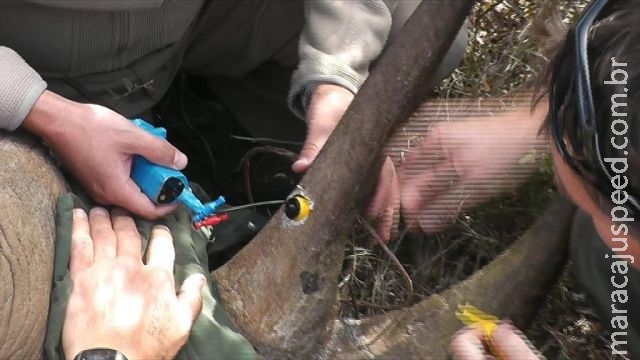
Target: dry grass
503 53
502 56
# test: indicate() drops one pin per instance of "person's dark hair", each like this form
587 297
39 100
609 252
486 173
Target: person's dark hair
615 34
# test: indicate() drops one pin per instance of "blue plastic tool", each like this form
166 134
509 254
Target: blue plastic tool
167 186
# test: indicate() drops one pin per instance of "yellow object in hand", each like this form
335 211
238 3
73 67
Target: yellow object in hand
474 317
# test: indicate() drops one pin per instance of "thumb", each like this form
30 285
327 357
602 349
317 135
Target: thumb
328 103
511 343
159 151
309 152
190 300
133 199
467 345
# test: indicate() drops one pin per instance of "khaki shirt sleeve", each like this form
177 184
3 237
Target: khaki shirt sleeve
20 88
339 41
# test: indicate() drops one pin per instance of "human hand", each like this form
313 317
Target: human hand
97 146
458 165
118 302
507 343
328 103
385 204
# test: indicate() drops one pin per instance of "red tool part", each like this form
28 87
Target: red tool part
212 220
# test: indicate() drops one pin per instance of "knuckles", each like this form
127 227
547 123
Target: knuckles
161 276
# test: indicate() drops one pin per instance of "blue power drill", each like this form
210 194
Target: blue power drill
167 186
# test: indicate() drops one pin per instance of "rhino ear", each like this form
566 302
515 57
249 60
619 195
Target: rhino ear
31 185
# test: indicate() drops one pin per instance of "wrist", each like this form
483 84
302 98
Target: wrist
100 354
127 350
132 347
330 90
328 104
523 123
47 115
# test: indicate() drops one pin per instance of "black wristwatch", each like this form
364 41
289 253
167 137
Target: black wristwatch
100 354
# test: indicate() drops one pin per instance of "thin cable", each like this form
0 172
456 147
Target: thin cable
261 203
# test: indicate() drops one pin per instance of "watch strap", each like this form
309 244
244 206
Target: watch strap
100 354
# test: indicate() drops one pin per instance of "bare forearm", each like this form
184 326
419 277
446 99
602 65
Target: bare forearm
46 118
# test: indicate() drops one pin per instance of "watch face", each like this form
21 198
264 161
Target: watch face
100 354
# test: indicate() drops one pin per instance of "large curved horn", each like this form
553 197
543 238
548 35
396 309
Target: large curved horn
512 286
281 289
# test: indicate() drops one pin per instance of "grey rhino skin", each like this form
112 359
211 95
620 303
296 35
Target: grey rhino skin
31 185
